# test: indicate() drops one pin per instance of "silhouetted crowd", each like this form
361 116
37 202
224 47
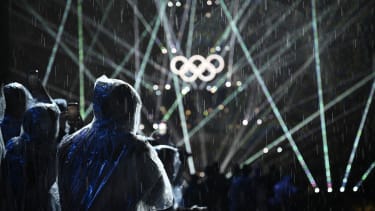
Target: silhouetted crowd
50 160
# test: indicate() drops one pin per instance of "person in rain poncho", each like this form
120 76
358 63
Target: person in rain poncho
29 167
17 99
104 165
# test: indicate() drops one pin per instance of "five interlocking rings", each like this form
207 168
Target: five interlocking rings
196 67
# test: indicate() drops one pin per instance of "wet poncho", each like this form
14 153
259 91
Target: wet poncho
29 167
104 166
17 99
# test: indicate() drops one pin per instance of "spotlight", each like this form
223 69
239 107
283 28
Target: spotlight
158 93
208 87
245 122
279 149
342 189
164 50
259 121
178 4
227 48
141 126
221 107
265 150
185 90
208 15
213 89
329 190
167 86
355 188
238 83
170 4
316 190
155 87
155 126
162 128
174 50
218 48
209 2
228 84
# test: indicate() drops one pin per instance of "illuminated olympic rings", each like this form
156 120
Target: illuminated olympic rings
197 67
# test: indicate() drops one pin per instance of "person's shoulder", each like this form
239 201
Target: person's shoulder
14 144
75 137
140 143
70 142
14 147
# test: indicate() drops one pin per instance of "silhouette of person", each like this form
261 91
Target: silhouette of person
29 167
36 87
17 100
104 165
63 125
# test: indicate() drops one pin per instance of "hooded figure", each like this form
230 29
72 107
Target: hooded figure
17 99
104 166
29 167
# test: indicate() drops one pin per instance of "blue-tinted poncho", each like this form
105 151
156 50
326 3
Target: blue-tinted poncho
29 167
104 166
17 99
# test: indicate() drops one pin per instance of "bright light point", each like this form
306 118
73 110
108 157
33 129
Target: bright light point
178 4
221 107
155 87
208 87
218 48
279 149
141 126
155 126
259 121
238 83
208 15
174 50
170 4
342 189
164 50
245 122
213 89
185 90
265 150
167 86
209 2
227 48
355 188
228 84
162 128
158 93
329 190
316 190
205 113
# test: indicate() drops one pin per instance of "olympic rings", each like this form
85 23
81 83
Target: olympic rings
196 66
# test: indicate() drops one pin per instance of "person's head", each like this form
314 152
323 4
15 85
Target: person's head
40 122
16 99
33 79
116 101
62 104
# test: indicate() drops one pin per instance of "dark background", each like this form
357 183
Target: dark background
345 61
